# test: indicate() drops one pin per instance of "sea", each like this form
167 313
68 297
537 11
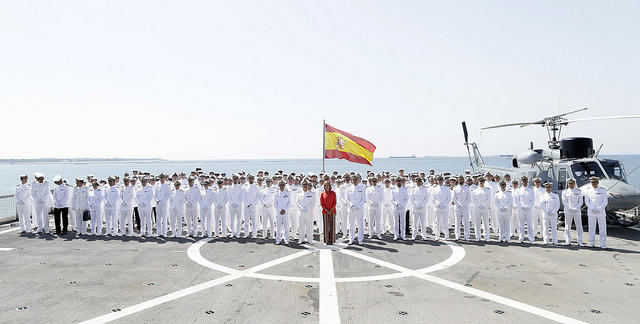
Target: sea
9 177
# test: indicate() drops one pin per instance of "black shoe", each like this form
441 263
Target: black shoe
64 232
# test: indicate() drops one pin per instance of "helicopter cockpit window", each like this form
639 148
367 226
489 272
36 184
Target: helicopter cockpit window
613 169
582 171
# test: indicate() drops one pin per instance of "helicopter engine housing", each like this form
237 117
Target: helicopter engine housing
576 148
528 157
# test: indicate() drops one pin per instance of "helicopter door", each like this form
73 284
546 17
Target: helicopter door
562 178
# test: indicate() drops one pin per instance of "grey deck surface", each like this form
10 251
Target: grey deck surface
74 279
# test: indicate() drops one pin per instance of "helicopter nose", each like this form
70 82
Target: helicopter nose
621 195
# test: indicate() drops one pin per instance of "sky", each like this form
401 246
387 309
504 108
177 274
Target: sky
255 79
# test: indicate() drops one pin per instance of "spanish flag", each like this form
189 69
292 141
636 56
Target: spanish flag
342 145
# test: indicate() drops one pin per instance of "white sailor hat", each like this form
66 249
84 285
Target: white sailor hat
81 180
537 180
594 179
571 180
57 178
38 175
311 174
24 176
548 185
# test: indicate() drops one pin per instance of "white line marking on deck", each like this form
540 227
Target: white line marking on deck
191 290
449 284
5 249
10 230
329 311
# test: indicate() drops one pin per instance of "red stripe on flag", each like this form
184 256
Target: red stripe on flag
358 140
335 154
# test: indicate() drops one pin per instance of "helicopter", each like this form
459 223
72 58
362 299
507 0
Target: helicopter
572 157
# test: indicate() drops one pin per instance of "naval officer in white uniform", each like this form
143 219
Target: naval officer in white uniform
23 204
572 200
550 204
596 200
282 203
42 200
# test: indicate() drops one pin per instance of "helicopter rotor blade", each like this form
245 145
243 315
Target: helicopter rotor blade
466 134
538 122
600 118
512 124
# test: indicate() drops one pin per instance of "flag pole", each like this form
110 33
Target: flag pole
324 138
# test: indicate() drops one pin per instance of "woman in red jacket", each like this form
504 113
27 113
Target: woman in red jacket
328 202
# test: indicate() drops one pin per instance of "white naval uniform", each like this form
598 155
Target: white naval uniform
503 201
192 199
442 200
515 207
220 199
267 196
356 198
23 206
572 201
144 198
550 204
251 199
206 201
306 203
493 216
95 208
236 195
42 201
596 200
375 197
79 203
127 200
387 208
344 217
176 209
527 200
294 213
537 209
481 197
282 202
419 200
162 194
111 198
461 199
400 199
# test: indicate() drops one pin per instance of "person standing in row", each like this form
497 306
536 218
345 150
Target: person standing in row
282 203
42 199
111 199
596 200
550 204
419 200
79 204
356 198
442 200
127 199
461 199
176 209
162 196
191 199
328 201
144 198
503 200
61 196
251 198
481 199
375 196
306 203
206 201
23 204
572 201
527 200
400 198
220 199
268 195
236 193
95 208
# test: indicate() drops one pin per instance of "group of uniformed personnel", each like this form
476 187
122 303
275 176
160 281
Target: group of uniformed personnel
243 204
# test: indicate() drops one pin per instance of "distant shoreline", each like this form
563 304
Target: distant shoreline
77 160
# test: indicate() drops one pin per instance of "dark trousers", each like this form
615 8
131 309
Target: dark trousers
408 225
57 213
137 217
153 214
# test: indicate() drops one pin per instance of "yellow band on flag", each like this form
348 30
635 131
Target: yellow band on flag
342 145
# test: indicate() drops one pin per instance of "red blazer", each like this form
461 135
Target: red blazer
328 202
